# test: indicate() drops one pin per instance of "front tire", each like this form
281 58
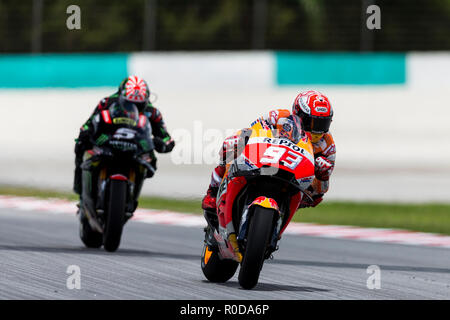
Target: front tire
115 215
259 233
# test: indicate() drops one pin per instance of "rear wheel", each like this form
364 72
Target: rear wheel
215 269
259 233
115 215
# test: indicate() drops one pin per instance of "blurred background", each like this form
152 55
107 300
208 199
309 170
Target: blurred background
214 66
141 25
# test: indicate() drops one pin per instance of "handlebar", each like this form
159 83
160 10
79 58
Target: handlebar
104 153
147 165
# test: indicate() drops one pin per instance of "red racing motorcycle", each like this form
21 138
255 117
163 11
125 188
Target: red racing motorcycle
259 194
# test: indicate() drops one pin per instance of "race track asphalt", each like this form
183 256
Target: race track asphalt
160 262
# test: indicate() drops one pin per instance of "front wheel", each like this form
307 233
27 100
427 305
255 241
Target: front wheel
215 269
115 215
259 233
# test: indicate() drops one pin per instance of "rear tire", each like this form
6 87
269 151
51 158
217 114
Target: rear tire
215 269
115 215
259 233
90 238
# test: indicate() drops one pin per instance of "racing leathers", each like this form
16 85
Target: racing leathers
161 138
324 155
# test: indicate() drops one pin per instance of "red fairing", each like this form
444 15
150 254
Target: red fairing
279 156
225 207
118 177
293 206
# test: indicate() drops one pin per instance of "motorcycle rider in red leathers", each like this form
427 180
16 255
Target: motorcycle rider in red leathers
316 113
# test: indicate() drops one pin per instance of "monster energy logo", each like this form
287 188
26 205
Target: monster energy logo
101 140
144 145
123 145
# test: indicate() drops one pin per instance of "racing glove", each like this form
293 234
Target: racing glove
149 158
163 146
323 168
306 202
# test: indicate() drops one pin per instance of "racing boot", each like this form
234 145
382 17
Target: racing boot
209 207
77 188
78 172
80 212
209 238
209 212
77 180
209 201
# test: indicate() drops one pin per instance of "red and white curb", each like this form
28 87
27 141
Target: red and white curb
58 206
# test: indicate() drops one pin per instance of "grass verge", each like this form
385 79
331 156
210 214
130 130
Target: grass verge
418 217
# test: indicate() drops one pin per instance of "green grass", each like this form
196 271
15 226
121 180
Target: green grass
187 206
419 217
39 193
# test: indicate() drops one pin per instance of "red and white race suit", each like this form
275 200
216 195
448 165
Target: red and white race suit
324 154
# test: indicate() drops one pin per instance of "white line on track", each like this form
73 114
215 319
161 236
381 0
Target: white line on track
58 206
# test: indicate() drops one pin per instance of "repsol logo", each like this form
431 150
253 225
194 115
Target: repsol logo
283 142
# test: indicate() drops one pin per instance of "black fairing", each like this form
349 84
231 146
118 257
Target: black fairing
117 153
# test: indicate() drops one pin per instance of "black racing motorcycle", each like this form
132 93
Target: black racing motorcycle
114 171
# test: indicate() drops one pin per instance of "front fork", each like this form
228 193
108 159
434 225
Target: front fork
133 191
264 202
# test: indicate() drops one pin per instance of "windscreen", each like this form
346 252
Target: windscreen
290 128
125 113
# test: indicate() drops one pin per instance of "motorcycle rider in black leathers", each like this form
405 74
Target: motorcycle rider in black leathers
132 89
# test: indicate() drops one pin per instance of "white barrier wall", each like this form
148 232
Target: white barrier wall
428 70
251 70
201 71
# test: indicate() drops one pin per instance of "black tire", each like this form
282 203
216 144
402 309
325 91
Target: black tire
216 270
259 233
115 215
90 238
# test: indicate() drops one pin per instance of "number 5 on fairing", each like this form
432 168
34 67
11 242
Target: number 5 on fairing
125 133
